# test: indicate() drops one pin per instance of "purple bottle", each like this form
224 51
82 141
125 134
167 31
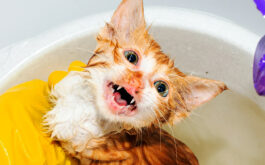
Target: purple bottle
260 6
259 68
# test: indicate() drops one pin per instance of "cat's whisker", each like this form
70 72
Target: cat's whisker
160 124
82 49
169 126
188 117
197 115
187 124
85 50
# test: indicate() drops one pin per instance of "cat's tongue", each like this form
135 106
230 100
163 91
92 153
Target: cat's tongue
119 100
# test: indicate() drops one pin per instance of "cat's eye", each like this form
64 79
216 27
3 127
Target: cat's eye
131 56
162 88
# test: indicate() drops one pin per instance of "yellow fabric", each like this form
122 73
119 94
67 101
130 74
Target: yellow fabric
22 137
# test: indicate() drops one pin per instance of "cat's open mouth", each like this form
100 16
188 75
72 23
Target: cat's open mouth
119 100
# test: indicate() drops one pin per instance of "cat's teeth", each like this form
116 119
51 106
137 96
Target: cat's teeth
132 101
119 87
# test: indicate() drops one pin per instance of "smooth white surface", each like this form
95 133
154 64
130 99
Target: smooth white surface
228 130
25 19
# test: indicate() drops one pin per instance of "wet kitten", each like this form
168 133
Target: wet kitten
111 112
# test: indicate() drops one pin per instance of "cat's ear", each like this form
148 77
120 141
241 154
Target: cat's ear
200 90
128 17
196 92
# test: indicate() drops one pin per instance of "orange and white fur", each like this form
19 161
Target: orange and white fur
129 85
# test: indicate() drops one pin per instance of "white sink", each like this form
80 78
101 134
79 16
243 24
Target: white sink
228 130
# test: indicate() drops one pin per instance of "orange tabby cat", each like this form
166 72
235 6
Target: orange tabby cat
111 112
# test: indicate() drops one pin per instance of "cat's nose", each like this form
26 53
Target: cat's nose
135 86
134 81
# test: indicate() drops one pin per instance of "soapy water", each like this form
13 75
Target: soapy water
229 130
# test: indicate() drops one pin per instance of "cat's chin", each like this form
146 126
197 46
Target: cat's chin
119 101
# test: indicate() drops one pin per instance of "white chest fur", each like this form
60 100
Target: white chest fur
74 118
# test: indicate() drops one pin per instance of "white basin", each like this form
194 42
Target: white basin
228 130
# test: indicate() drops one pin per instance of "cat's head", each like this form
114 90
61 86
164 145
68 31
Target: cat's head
135 82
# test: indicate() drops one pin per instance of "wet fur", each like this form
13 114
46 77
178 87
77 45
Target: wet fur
81 121
151 146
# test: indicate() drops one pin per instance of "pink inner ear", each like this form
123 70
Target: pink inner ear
201 91
200 95
129 16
